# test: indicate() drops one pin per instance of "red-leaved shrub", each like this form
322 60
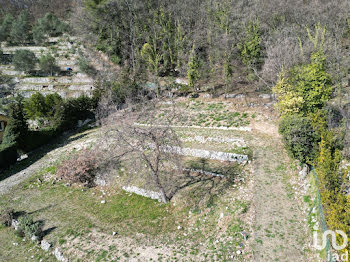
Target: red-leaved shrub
81 169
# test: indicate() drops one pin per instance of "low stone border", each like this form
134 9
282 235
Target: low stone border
248 129
142 192
214 155
203 140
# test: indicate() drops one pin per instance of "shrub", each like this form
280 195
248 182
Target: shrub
27 227
305 88
24 60
300 138
80 169
48 65
36 106
8 155
6 217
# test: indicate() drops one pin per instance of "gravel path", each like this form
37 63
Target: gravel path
10 182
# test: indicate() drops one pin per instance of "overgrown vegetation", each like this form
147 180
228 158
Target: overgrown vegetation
311 126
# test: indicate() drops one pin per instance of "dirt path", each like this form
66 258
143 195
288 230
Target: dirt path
281 232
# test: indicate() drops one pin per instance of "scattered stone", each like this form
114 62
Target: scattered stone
266 96
103 202
179 227
34 238
221 215
45 245
59 255
99 181
15 244
238 252
114 233
14 224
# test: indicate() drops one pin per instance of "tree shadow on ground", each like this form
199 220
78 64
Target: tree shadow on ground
206 180
37 154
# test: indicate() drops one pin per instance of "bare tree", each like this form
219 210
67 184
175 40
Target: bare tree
132 136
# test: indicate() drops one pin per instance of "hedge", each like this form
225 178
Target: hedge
36 139
8 155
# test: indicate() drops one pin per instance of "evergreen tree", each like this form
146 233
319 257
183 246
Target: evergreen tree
5 28
17 128
20 31
48 65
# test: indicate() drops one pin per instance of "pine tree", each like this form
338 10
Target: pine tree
17 128
20 31
5 28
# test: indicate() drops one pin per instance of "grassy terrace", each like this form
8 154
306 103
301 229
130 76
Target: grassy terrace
199 113
203 222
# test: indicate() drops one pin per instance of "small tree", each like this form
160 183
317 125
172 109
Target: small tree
52 102
149 148
20 31
251 48
193 69
24 60
48 65
17 127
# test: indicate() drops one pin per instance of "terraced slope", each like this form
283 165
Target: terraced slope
66 51
260 217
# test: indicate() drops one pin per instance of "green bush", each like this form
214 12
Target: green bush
24 60
35 106
8 155
39 36
27 227
301 139
52 101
